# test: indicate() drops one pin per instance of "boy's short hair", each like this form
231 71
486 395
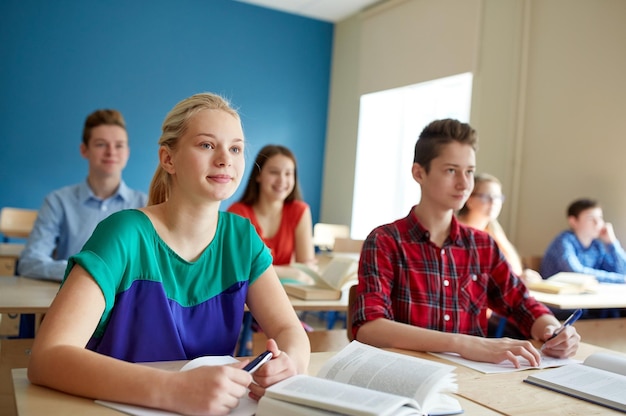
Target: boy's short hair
439 133
580 205
99 118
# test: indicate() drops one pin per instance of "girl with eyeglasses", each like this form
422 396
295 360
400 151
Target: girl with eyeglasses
481 211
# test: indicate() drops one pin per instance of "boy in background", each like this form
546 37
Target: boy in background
589 246
69 215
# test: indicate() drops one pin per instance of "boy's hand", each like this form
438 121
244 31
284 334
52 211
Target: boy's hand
607 235
496 350
563 345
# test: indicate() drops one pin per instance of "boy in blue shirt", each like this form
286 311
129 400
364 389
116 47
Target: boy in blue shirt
69 215
589 246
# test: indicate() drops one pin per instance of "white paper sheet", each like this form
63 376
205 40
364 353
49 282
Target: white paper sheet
504 366
247 406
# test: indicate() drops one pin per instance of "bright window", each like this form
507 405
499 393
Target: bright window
389 124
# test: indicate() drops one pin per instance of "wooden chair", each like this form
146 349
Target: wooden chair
532 262
347 245
324 235
16 222
351 300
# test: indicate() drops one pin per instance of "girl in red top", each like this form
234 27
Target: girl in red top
272 201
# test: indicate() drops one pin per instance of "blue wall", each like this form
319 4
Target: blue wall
60 60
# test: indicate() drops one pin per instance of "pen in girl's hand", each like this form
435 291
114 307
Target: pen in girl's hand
258 362
569 321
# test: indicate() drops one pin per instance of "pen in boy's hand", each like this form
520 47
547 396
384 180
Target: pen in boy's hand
569 321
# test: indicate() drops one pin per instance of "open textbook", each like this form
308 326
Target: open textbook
336 276
600 379
363 380
566 283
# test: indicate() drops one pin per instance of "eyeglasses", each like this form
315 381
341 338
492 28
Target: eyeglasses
489 198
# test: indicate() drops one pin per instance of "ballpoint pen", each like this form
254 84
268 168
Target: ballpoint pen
569 321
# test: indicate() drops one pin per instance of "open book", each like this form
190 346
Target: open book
363 380
600 379
338 274
566 283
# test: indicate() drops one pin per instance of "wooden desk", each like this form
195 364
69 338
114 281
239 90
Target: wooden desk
20 295
480 394
25 295
33 400
9 254
510 395
608 296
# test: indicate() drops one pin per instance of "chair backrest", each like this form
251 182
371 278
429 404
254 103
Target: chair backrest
347 245
324 235
351 300
532 262
16 222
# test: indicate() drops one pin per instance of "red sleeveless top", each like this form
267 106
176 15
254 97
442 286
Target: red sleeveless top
283 244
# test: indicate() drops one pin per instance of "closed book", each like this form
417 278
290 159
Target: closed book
565 283
311 292
546 286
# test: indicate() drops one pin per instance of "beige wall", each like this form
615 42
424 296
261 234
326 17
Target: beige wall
549 103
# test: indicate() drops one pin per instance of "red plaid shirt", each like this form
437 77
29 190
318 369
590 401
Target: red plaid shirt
406 278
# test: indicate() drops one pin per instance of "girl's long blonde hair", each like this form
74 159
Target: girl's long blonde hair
494 228
174 126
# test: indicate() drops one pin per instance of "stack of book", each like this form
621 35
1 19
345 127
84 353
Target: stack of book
566 283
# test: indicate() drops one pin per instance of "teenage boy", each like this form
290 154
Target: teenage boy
589 246
69 215
426 281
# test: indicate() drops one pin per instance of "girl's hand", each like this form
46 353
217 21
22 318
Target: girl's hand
213 390
280 367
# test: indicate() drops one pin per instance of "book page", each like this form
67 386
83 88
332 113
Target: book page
337 273
338 397
340 271
246 407
608 362
317 278
269 406
505 366
376 369
208 360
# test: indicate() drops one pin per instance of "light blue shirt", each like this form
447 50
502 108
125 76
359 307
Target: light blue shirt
65 222
607 262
